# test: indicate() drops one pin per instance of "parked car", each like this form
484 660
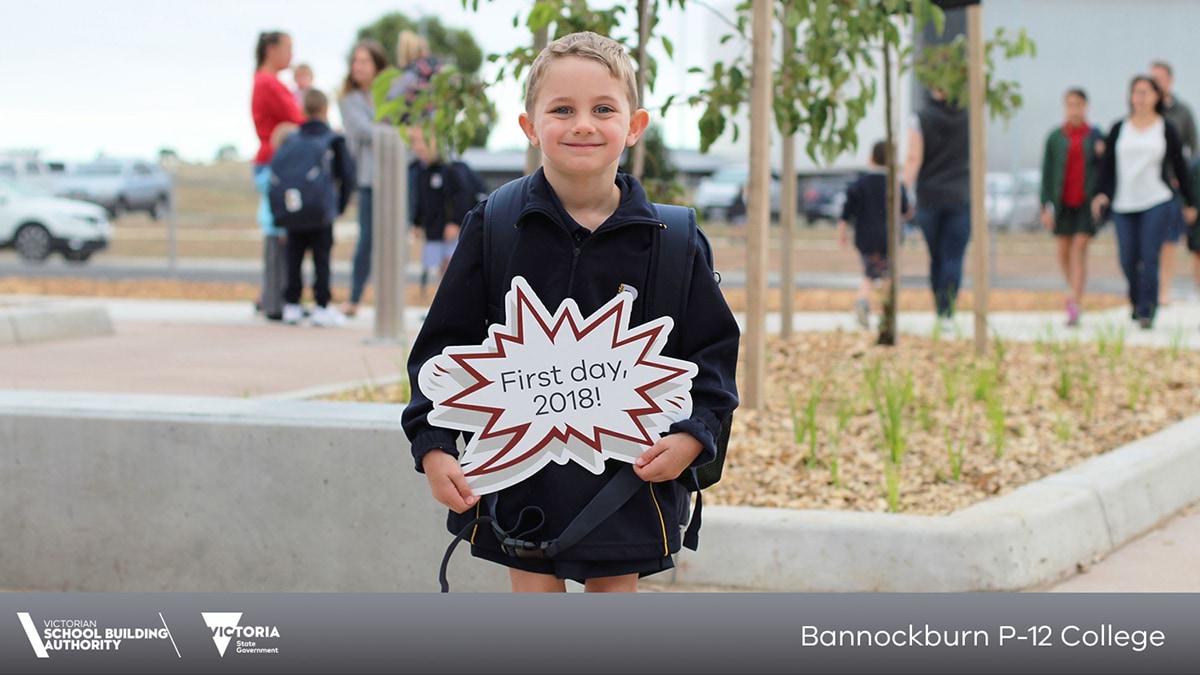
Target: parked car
822 197
36 224
1013 200
120 186
30 171
722 195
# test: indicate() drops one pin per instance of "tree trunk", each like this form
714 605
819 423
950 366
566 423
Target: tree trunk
759 209
979 226
787 206
887 320
644 20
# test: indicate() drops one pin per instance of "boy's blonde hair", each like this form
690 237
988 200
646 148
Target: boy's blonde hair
587 45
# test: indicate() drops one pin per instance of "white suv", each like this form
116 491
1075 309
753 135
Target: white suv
37 224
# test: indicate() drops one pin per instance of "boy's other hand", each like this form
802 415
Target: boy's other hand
843 239
1047 219
451 231
447 482
667 458
1189 214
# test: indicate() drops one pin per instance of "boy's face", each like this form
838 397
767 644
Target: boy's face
303 79
582 119
424 148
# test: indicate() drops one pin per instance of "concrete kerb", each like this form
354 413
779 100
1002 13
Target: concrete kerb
197 494
40 321
1036 534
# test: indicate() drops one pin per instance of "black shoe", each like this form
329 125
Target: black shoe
1145 323
275 317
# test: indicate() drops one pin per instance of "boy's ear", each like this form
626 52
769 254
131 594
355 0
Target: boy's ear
529 129
637 126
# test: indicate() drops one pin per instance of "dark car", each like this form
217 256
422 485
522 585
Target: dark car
823 196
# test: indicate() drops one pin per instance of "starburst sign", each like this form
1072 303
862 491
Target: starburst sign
556 388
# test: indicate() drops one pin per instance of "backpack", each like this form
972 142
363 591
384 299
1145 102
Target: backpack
302 192
471 179
678 242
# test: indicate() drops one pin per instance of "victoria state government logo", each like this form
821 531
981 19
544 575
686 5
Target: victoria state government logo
226 627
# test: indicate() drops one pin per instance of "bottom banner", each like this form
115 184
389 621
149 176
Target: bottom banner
568 633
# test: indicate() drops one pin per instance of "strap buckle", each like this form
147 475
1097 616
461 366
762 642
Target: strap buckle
519 548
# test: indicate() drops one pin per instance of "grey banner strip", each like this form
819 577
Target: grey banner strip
660 633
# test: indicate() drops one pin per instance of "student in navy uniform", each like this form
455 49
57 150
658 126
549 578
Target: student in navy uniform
584 231
441 192
866 210
317 237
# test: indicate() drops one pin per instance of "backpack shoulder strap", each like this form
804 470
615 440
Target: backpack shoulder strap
500 233
678 243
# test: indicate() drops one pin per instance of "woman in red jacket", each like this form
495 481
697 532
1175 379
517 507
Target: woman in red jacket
272 105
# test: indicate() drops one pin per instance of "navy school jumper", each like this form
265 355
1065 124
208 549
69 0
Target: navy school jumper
560 259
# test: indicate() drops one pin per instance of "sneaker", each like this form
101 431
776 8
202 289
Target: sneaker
1073 313
862 310
1146 323
292 314
328 317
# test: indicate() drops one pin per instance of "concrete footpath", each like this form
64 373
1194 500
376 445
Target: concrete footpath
223 349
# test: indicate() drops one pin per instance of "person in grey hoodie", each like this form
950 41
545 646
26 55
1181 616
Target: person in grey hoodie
358 116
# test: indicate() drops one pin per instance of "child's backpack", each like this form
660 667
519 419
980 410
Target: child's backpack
470 179
302 192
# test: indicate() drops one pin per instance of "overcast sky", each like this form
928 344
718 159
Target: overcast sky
128 77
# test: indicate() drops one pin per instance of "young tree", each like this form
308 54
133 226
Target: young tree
829 78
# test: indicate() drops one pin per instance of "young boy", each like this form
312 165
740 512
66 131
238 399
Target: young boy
866 210
314 140
1070 178
584 232
440 195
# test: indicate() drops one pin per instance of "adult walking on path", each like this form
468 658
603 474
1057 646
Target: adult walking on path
271 105
358 116
1070 178
939 166
1179 114
1135 181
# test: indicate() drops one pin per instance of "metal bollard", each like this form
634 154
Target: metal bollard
389 251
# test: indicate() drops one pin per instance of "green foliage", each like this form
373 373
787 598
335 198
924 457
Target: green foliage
954 450
1179 340
891 478
944 67
454 108
823 89
952 381
450 45
997 421
987 379
891 396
